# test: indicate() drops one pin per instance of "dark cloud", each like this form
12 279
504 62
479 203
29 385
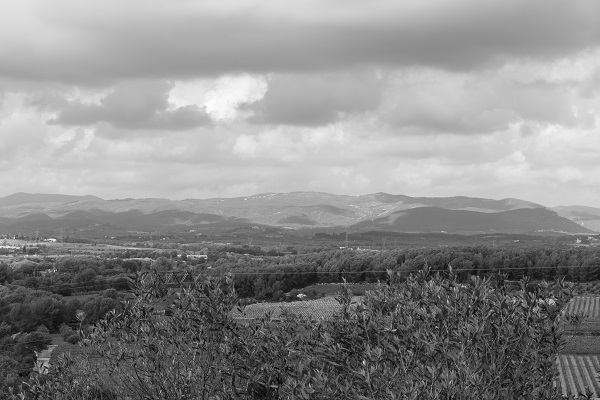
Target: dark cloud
134 105
311 100
86 42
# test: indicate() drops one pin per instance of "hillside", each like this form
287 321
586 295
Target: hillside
40 198
435 219
384 211
583 215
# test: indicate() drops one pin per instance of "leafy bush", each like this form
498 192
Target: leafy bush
429 337
73 339
65 331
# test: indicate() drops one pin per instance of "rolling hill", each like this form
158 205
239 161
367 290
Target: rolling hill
382 211
20 199
435 219
583 215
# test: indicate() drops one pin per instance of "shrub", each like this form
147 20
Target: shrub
429 337
73 339
65 331
43 329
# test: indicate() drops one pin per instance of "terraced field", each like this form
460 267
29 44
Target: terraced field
588 306
579 364
320 308
578 373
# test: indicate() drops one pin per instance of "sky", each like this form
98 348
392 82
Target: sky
222 98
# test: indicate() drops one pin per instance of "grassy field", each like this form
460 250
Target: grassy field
582 344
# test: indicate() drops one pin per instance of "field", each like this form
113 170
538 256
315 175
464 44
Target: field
320 308
579 361
587 306
579 373
581 344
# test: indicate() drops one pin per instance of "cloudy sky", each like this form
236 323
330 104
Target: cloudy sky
198 98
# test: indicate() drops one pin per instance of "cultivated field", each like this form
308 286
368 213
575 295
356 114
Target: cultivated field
578 373
319 308
579 362
587 306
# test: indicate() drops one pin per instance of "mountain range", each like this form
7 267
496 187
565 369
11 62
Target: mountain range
378 211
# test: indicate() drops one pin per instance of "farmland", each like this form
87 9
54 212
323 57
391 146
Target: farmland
578 373
50 283
587 306
579 362
316 309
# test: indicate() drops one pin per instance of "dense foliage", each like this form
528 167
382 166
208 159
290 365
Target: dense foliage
17 355
428 336
28 316
271 278
266 275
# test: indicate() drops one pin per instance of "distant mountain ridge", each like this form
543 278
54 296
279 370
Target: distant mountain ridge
520 220
40 198
296 209
583 215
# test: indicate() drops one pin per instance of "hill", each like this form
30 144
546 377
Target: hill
583 215
298 210
435 219
17 199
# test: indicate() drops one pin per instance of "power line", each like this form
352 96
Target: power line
455 270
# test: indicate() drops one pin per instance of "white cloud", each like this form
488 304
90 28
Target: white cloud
229 92
190 93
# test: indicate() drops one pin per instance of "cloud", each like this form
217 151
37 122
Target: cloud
436 102
209 98
312 100
229 92
133 105
433 101
91 42
290 145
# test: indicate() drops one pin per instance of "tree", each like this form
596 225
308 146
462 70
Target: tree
6 274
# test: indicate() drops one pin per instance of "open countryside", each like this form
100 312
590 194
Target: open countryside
300 200
70 293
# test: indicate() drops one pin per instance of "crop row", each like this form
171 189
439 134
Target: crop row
587 306
578 373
